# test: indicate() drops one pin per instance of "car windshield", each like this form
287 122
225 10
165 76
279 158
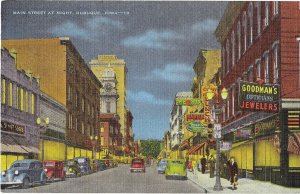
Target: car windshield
137 162
48 163
20 165
176 162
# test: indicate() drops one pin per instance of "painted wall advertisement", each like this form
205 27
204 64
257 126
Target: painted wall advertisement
255 97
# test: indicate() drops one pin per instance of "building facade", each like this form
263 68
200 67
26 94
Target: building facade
98 66
129 148
260 48
65 77
20 96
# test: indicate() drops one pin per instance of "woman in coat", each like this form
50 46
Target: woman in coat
233 172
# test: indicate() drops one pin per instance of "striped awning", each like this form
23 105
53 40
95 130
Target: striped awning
16 144
294 143
195 148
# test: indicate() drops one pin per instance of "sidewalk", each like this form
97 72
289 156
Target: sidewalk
245 185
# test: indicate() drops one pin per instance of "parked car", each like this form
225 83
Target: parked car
176 169
137 165
84 165
99 165
23 173
54 170
162 166
72 168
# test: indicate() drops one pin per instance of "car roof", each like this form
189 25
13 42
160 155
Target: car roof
52 161
26 161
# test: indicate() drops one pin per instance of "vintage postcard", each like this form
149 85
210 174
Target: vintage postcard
150 96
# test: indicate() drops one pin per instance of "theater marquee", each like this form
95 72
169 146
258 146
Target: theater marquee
255 97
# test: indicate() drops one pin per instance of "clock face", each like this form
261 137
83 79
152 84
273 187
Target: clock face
108 87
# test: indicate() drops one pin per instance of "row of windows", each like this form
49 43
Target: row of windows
14 95
257 16
265 68
85 128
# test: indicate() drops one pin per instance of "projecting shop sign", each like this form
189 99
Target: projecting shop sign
254 97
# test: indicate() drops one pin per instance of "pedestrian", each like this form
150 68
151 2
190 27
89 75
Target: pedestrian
212 163
199 165
203 164
194 166
233 172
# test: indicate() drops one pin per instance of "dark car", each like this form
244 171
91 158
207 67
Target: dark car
84 165
99 165
54 170
24 173
72 168
137 165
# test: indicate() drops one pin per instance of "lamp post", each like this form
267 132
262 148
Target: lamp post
94 142
43 128
217 132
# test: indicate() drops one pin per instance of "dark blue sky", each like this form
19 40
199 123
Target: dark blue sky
159 41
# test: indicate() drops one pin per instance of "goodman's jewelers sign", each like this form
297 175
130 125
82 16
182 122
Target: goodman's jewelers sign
255 97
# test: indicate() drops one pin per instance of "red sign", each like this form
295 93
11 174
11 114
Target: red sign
195 117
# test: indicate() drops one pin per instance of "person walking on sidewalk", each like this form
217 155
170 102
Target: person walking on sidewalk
233 172
212 163
203 164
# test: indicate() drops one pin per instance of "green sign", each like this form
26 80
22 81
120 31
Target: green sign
188 101
195 126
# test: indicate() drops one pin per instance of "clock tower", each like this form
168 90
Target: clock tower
108 94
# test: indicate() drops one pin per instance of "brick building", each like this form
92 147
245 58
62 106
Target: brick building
260 46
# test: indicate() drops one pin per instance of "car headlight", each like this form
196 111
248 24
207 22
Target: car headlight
16 172
3 173
45 169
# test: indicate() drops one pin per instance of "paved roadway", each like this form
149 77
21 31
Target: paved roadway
116 180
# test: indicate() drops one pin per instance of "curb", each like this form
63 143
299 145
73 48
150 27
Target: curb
193 181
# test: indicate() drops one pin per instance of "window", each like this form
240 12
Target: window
266 66
10 94
258 69
82 127
244 24
69 93
21 99
102 141
239 39
70 121
32 104
266 20
102 129
250 11
228 105
250 73
82 104
108 107
76 99
26 101
3 91
275 47
232 98
276 8
227 56
233 48
258 14
76 124
223 62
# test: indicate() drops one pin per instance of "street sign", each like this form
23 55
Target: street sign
195 126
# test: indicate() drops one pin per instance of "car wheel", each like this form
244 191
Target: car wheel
25 184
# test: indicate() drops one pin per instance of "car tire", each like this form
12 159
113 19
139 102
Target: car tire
25 184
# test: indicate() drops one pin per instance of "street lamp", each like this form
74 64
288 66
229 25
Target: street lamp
217 131
43 128
94 142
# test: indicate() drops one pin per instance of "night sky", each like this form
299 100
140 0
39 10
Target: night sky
159 41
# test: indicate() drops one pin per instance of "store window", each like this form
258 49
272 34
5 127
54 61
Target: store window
3 91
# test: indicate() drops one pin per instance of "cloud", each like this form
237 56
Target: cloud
205 26
92 28
152 39
146 97
177 72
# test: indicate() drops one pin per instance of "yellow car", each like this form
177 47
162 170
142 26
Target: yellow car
176 169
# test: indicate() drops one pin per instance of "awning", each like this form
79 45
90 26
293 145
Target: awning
16 144
294 143
195 148
184 145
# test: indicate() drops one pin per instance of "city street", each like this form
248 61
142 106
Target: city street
117 180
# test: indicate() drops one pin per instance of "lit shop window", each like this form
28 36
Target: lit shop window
3 91
32 103
10 94
26 101
22 99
